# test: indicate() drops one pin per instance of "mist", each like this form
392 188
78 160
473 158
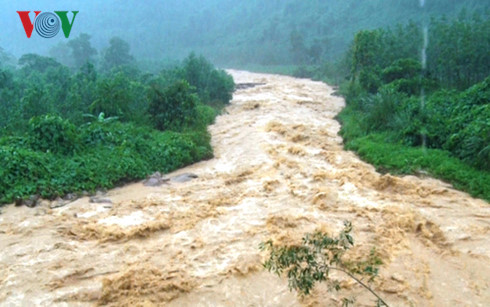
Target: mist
228 32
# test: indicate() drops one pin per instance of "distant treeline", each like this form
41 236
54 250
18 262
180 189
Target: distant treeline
65 130
232 33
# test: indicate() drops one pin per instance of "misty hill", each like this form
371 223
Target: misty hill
229 32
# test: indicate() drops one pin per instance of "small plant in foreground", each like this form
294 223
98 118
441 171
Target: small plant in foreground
313 261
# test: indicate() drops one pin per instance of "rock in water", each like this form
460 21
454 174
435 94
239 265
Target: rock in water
152 182
98 200
70 197
184 177
58 203
31 202
155 180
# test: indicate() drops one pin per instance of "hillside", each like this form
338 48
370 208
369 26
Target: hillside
229 32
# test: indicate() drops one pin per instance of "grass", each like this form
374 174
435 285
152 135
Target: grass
396 158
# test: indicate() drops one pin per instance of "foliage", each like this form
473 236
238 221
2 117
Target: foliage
109 153
387 155
33 62
113 97
468 133
212 85
316 258
81 50
6 59
443 103
51 133
174 107
458 54
64 131
117 54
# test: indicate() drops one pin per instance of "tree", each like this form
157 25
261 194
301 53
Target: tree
32 62
298 48
62 53
315 52
174 107
113 97
81 49
81 94
117 54
319 255
211 84
6 59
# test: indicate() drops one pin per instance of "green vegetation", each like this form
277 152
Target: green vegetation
64 131
399 99
434 114
390 156
314 260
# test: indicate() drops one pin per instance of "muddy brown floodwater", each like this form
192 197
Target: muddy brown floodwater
279 171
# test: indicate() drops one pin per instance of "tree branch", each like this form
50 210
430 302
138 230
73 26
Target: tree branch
361 283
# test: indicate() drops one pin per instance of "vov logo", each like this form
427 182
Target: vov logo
47 24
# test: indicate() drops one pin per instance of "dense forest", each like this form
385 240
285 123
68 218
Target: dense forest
76 130
230 33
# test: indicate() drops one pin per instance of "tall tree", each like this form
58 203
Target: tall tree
117 54
81 49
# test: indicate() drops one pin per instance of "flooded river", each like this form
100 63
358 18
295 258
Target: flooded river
279 171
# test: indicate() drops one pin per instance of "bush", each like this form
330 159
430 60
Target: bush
174 107
381 108
113 153
402 69
212 85
21 172
51 133
312 262
205 116
386 155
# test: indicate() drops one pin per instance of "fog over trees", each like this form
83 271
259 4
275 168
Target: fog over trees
228 32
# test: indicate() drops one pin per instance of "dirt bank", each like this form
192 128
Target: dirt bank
279 171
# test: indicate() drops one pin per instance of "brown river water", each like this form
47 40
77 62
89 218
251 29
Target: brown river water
279 172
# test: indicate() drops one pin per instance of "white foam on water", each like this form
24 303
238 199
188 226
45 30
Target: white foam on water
133 219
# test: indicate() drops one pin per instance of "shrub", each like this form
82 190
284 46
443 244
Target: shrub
113 153
20 169
51 133
312 262
211 84
113 97
402 69
174 107
382 108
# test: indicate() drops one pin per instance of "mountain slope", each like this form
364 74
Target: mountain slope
228 31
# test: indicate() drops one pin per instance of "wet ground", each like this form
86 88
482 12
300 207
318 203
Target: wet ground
279 171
